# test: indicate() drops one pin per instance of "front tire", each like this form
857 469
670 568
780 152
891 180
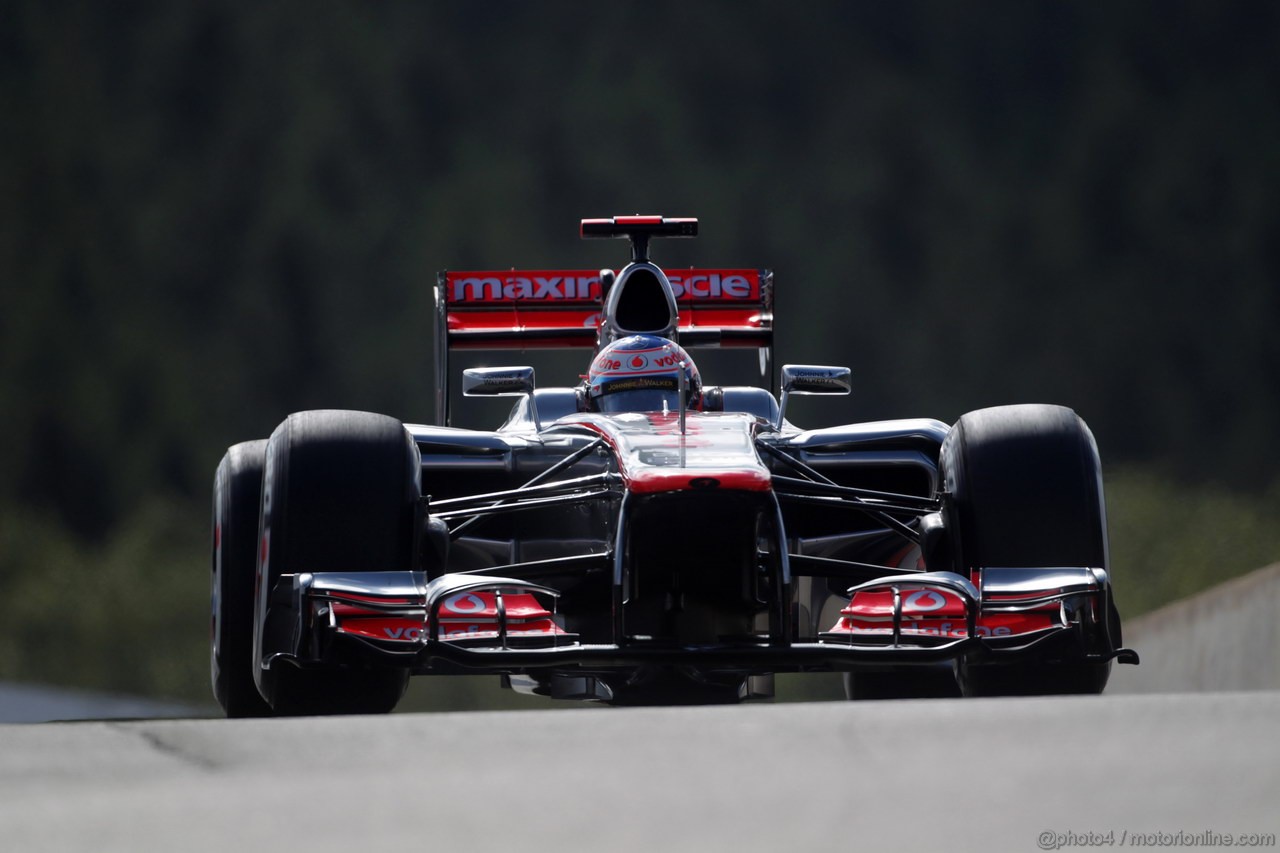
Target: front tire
340 494
237 487
1024 486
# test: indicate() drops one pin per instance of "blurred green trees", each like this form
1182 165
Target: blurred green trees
214 214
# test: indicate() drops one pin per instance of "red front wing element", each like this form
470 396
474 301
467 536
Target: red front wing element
917 613
870 615
462 617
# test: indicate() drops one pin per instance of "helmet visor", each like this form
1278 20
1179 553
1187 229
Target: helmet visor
641 394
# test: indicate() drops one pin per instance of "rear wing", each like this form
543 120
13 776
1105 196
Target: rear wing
561 309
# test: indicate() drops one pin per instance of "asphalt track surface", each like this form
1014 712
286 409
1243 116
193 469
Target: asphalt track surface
989 775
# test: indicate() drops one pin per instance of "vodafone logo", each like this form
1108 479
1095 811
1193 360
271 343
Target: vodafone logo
464 602
923 601
606 363
636 362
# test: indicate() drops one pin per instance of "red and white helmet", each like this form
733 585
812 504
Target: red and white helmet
641 373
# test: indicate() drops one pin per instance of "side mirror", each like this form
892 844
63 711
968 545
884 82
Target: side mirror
497 381
501 382
812 379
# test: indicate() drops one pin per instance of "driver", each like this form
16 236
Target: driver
641 373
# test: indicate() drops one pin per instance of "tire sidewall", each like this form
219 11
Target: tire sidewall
237 487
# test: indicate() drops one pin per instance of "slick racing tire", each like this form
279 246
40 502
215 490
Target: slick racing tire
237 487
1024 488
340 494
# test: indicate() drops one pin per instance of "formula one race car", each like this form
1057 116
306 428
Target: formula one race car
643 538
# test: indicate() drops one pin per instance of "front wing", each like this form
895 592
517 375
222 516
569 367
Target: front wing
482 623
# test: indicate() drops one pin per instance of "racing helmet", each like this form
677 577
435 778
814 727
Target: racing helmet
641 373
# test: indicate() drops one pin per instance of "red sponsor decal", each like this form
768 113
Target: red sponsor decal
483 288
657 360
917 603
473 605
718 285
932 612
465 614
490 286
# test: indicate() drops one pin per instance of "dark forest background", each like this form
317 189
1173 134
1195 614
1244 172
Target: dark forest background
215 213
